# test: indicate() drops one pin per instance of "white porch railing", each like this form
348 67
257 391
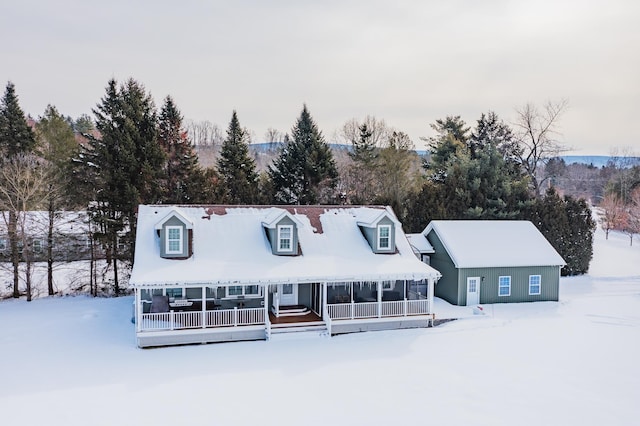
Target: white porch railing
398 308
193 319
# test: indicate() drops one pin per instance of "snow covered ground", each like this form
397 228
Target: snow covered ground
73 361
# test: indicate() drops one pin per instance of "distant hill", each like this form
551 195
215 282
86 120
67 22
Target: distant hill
598 160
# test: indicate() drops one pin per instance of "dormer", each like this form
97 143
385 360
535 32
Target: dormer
281 229
176 236
379 229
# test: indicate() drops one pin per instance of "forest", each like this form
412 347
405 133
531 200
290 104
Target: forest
129 152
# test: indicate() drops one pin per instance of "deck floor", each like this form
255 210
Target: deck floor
309 317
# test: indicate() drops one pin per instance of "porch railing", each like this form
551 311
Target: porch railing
400 308
194 319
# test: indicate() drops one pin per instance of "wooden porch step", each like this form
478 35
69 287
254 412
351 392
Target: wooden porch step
293 310
299 332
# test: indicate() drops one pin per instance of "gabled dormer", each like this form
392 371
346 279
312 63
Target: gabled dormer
379 229
176 236
281 229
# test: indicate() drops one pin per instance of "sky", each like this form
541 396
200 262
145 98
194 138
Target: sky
407 62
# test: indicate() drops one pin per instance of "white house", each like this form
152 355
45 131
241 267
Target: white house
226 273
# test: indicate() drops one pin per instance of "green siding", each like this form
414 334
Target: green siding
550 276
447 286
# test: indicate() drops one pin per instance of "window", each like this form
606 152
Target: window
174 240
243 290
285 238
384 237
504 286
388 285
535 284
37 246
3 244
174 292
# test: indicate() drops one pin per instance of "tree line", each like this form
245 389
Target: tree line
132 153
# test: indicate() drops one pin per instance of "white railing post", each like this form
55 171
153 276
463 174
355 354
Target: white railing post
276 303
204 307
404 306
353 308
235 316
171 319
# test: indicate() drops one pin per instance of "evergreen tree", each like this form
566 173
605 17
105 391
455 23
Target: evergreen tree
305 171
183 177
124 166
237 169
16 139
16 136
57 146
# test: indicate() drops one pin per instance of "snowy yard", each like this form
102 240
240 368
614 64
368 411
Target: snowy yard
73 361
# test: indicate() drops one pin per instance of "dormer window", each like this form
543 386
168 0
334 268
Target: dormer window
174 240
384 237
285 238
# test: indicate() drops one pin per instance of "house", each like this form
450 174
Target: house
226 273
70 236
490 261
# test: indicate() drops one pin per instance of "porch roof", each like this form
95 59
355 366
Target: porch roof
232 248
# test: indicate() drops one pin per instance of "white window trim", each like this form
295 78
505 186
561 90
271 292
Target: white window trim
38 246
539 285
380 227
167 240
500 279
280 239
388 285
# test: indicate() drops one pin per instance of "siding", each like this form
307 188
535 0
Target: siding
371 235
174 221
447 287
519 283
273 237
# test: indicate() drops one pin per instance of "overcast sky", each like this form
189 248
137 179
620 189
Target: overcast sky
407 62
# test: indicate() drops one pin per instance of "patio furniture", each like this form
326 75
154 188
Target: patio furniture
159 304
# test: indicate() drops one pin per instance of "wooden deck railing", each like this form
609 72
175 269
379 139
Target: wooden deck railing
399 308
194 319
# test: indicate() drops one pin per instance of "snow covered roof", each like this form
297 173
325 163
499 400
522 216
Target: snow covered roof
230 246
420 243
177 213
370 217
494 243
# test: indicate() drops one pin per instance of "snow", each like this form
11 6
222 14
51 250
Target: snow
497 243
73 361
225 244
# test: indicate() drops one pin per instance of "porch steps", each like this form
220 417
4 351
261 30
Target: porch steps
292 311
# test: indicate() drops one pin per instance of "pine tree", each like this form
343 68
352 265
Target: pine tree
123 165
237 169
305 171
183 175
57 146
16 138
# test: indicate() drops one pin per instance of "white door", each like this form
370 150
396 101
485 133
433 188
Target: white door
288 294
473 291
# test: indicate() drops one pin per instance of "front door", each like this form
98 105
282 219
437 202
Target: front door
288 294
473 291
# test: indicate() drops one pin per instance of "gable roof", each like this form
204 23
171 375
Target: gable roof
275 215
230 246
177 213
420 243
494 243
369 217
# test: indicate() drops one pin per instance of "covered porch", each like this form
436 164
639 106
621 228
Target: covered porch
203 313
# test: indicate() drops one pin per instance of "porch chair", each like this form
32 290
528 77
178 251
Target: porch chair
159 304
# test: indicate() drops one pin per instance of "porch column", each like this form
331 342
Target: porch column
266 310
204 306
379 295
431 283
137 312
404 292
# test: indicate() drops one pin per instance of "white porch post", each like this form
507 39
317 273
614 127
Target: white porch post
138 310
379 294
431 283
405 297
204 307
353 308
267 323
325 302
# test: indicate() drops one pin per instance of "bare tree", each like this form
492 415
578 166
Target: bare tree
23 187
538 137
350 131
204 133
273 135
613 212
